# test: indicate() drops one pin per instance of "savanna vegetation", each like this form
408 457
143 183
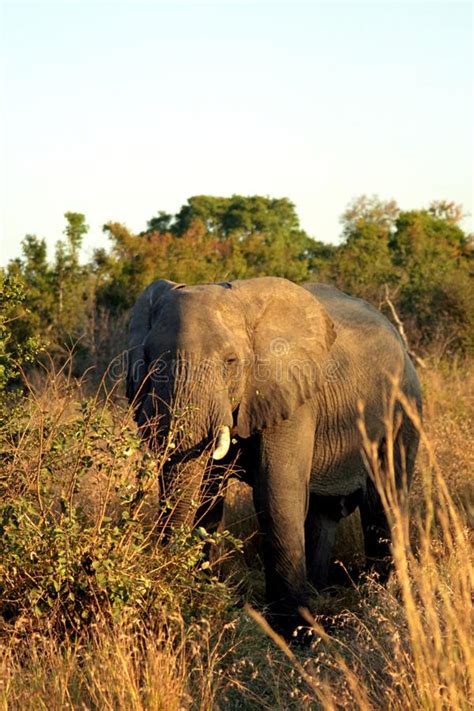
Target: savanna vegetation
97 610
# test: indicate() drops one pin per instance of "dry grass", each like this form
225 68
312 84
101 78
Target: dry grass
406 645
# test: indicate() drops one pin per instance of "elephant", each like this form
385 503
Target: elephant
275 373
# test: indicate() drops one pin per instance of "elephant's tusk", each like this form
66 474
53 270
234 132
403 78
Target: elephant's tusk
223 442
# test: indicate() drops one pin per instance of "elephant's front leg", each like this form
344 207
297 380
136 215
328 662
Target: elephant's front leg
281 500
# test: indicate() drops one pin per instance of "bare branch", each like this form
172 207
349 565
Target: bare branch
400 328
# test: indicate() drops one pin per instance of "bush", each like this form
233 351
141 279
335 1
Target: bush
80 522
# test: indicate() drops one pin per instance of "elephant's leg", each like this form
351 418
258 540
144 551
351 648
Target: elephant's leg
405 451
324 514
376 529
320 533
281 498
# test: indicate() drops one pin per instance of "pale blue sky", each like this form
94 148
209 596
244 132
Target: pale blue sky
119 110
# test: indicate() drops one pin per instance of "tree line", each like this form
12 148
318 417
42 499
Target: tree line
422 258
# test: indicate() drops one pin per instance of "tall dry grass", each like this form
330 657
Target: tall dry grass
409 645
405 645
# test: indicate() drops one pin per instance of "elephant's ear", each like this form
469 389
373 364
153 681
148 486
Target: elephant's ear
142 316
291 336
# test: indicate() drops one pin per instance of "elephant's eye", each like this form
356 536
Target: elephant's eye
231 359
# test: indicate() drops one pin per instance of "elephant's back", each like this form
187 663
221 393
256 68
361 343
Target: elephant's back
350 312
365 337
368 351
366 357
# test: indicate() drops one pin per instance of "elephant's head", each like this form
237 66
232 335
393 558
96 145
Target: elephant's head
237 357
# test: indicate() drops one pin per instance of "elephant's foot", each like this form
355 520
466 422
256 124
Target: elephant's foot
381 566
294 622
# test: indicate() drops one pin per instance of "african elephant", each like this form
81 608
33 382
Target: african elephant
280 369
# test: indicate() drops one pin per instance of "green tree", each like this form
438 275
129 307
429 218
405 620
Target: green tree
434 258
73 285
209 239
58 298
33 270
363 263
130 265
423 256
18 346
255 235
75 230
238 214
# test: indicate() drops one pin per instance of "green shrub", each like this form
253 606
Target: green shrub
80 523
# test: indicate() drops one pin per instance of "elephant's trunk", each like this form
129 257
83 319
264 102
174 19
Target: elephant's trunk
191 420
184 488
191 405
182 492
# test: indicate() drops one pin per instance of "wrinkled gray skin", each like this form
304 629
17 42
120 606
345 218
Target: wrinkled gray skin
286 367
